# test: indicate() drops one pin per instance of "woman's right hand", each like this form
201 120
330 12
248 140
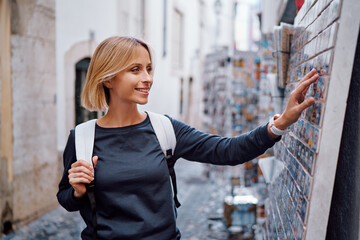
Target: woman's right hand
81 173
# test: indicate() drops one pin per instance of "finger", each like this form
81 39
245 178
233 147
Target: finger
81 175
81 169
95 159
74 181
309 75
305 84
81 163
307 103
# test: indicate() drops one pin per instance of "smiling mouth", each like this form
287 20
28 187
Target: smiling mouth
143 90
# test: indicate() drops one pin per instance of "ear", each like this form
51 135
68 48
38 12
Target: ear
108 84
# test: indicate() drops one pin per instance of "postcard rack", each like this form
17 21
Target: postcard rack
325 36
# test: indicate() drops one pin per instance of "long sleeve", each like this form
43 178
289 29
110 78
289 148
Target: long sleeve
65 194
195 145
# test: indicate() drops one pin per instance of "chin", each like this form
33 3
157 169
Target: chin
142 102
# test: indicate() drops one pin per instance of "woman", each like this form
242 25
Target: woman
133 191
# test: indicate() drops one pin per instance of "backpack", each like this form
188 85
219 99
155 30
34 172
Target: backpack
164 131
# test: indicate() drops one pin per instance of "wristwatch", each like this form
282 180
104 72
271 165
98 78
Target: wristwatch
274 129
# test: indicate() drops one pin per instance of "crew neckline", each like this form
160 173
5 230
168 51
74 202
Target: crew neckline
140 124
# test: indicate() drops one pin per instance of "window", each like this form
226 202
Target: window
81 114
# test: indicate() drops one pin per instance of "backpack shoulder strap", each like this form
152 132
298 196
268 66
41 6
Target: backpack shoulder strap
165 133
84 145
84 140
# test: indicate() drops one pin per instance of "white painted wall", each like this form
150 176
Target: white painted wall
74 21
270 14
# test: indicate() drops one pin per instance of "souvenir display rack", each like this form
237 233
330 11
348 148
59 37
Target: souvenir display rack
282 41
216 84
244 93
300 197
268 99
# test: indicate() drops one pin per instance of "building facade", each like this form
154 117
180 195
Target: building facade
28 160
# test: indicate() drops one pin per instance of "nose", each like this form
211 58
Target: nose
147 77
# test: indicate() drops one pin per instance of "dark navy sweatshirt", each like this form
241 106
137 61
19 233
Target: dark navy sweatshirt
133 191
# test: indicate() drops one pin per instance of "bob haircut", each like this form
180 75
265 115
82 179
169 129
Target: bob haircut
111 56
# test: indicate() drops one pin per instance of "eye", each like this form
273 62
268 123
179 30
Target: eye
135 69
149 69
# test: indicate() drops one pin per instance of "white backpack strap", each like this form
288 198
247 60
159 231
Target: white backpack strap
165 133
84 140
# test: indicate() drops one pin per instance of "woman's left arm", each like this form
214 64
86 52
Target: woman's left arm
195 145
198 146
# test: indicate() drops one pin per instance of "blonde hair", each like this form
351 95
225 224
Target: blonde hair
113 55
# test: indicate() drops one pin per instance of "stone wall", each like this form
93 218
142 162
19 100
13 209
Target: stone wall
35 165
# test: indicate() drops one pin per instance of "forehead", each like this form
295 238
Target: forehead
141 55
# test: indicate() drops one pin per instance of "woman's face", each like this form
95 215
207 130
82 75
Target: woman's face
132 85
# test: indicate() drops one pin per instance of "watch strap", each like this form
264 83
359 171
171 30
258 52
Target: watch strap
276 130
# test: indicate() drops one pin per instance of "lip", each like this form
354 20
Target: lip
144 91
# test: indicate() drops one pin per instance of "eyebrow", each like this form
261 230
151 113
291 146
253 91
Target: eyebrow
137 64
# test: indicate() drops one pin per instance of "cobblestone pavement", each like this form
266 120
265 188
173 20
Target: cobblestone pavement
201 199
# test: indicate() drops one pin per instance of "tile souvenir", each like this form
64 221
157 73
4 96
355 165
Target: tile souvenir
302 129
299 205
296 226
327 61
295 167
314 138
302 208
290 186
301 180
308 113
302 155
296 188
292 144
293 211
288 162
296 128
295 198
298 175
307 134
317 113
300 229
307 186
298 149
321 85
309 160
311 136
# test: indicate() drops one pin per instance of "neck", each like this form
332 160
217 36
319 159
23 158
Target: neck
121 116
